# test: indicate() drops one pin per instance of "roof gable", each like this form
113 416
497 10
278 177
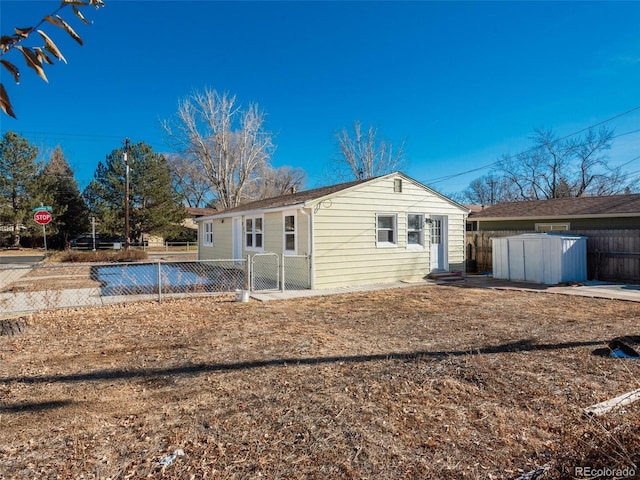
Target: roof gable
317 194
624 205
291 199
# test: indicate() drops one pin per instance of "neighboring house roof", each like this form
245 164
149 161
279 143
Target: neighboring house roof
200 212
303 197
572 207
473 208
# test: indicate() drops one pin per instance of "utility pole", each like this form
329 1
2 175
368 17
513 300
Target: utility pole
126 194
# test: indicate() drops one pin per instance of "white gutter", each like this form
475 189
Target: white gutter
257 211
464 245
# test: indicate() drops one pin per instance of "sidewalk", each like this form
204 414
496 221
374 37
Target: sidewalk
12 302
592 289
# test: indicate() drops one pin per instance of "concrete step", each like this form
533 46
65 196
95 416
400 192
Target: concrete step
445 277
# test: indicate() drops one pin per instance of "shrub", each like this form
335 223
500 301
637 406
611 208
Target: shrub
102 256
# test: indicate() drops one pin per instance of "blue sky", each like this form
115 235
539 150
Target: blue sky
460 82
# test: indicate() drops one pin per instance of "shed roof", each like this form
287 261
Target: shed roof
613 205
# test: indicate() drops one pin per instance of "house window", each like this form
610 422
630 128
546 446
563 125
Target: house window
208 234
415 230
386 228
397 185
436 231
290 233
253 233
552 227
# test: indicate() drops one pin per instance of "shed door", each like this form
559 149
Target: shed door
438 243
533 261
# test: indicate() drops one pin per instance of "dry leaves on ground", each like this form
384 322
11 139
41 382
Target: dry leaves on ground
413 383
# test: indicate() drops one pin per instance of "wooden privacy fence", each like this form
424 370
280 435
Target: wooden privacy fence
612 255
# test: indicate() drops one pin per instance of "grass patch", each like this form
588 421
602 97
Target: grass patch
99 256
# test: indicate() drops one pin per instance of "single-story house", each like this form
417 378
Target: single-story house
379 230
194 212
561 214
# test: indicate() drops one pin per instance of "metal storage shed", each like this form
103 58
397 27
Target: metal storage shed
540 258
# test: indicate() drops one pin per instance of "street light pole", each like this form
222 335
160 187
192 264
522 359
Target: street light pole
126 194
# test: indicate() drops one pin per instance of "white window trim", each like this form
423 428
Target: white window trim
290 213
421 245
395 231
253 232
566 226
207 234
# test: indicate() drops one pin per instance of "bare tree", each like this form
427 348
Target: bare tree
487 190
364 155
230 144
190 181
35 57
560 167
275 182
593 168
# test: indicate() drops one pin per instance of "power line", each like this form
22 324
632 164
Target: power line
626 133
75 135
628 162
510 157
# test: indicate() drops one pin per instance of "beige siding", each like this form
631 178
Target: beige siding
222 240
273 227
273 236
345 235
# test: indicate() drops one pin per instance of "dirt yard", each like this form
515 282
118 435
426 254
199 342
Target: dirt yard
428 382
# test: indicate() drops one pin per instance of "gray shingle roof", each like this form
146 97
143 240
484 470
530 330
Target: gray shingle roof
559 207
293 198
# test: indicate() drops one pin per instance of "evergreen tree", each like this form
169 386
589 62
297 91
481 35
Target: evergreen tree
18 171
58 188
154 205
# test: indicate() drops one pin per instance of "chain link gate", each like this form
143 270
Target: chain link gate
265 272
275 272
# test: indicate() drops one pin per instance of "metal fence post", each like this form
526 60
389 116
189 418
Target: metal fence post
282 279
159 282
247 274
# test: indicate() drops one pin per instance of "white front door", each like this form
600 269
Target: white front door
237 238
438 243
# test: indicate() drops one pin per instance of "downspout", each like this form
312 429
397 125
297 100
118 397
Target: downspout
198 241
464 245
310 246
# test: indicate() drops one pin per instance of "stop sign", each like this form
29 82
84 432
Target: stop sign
42 217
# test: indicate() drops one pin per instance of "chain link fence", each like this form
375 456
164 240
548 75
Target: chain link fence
297 272
28 289
33 288
274 272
